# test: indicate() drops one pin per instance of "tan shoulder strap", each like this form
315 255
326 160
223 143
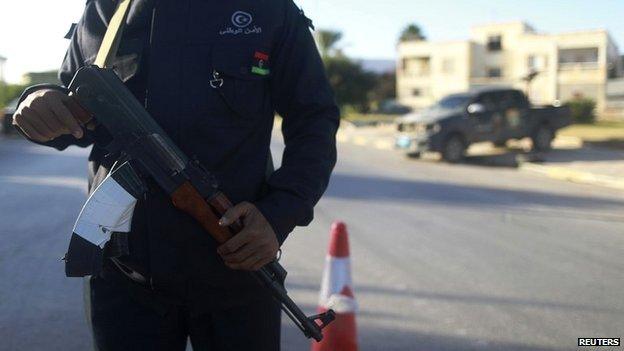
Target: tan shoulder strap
110 44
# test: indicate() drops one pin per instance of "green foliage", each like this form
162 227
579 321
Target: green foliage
412 33
351 84
9 92
582 109
384 89
356 89
327 40
46 77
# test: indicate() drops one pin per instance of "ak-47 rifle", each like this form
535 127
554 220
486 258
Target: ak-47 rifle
98 95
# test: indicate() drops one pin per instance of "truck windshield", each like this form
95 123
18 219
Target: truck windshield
454 101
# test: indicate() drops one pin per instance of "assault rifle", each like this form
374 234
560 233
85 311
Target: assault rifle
99 96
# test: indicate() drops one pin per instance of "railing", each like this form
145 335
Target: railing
568 66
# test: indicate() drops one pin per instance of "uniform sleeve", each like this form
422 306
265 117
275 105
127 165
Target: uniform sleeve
302 96
71 63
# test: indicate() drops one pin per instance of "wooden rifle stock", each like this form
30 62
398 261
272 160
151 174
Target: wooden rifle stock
192 189
186 198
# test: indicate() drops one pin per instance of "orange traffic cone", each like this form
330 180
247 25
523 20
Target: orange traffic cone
337 294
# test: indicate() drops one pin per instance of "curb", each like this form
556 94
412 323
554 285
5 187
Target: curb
574 176
346 135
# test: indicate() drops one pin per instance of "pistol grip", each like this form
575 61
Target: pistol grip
83 116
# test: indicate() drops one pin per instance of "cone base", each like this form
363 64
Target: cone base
340 335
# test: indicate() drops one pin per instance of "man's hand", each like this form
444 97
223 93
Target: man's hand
255 245
42 116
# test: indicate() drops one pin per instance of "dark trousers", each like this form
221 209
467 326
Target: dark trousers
121 323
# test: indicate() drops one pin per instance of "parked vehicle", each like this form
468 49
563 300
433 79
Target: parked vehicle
495 115
392 107
7 117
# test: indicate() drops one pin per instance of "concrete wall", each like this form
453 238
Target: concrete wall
2 62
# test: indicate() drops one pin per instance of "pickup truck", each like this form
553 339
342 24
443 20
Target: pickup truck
494 115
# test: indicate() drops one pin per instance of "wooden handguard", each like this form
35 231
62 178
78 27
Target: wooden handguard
221 204
207 213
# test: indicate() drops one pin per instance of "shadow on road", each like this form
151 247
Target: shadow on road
380 189
613 143
514 157
461 298
378 338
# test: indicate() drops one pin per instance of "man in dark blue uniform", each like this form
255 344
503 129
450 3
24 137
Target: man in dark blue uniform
212 74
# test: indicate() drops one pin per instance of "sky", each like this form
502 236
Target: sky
31 31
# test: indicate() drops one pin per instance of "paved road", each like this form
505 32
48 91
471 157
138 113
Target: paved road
445 257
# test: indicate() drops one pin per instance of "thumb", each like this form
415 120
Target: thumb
234 213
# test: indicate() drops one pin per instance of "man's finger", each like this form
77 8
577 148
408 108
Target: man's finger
242 254
233 214
246 264
54 125
28 129
34 118
63 114
235 243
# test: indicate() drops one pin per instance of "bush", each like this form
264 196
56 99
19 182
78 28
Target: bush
350 82
583 110
9 92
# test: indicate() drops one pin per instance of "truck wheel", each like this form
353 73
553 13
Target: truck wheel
453 149
542 138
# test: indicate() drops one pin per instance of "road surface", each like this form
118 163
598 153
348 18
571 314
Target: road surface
444 257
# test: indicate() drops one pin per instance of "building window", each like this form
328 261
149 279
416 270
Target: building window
448 66
580 55
416 66
494 72
536 63
532 63
416 92
495 43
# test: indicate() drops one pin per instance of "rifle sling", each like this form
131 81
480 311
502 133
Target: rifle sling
110 43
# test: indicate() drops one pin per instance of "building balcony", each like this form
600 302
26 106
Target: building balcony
578 66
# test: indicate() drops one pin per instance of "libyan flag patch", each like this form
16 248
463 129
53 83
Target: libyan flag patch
261 60
260 71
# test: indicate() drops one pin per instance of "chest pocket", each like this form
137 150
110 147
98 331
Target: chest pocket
240 87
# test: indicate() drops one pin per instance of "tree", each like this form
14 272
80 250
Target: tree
9 92
351 84
385 88
412 33
327 40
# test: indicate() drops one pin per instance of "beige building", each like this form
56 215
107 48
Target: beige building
2 62
549 67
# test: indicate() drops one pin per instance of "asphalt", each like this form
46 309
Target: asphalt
445 257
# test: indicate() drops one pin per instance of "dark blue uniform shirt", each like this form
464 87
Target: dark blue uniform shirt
214 74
